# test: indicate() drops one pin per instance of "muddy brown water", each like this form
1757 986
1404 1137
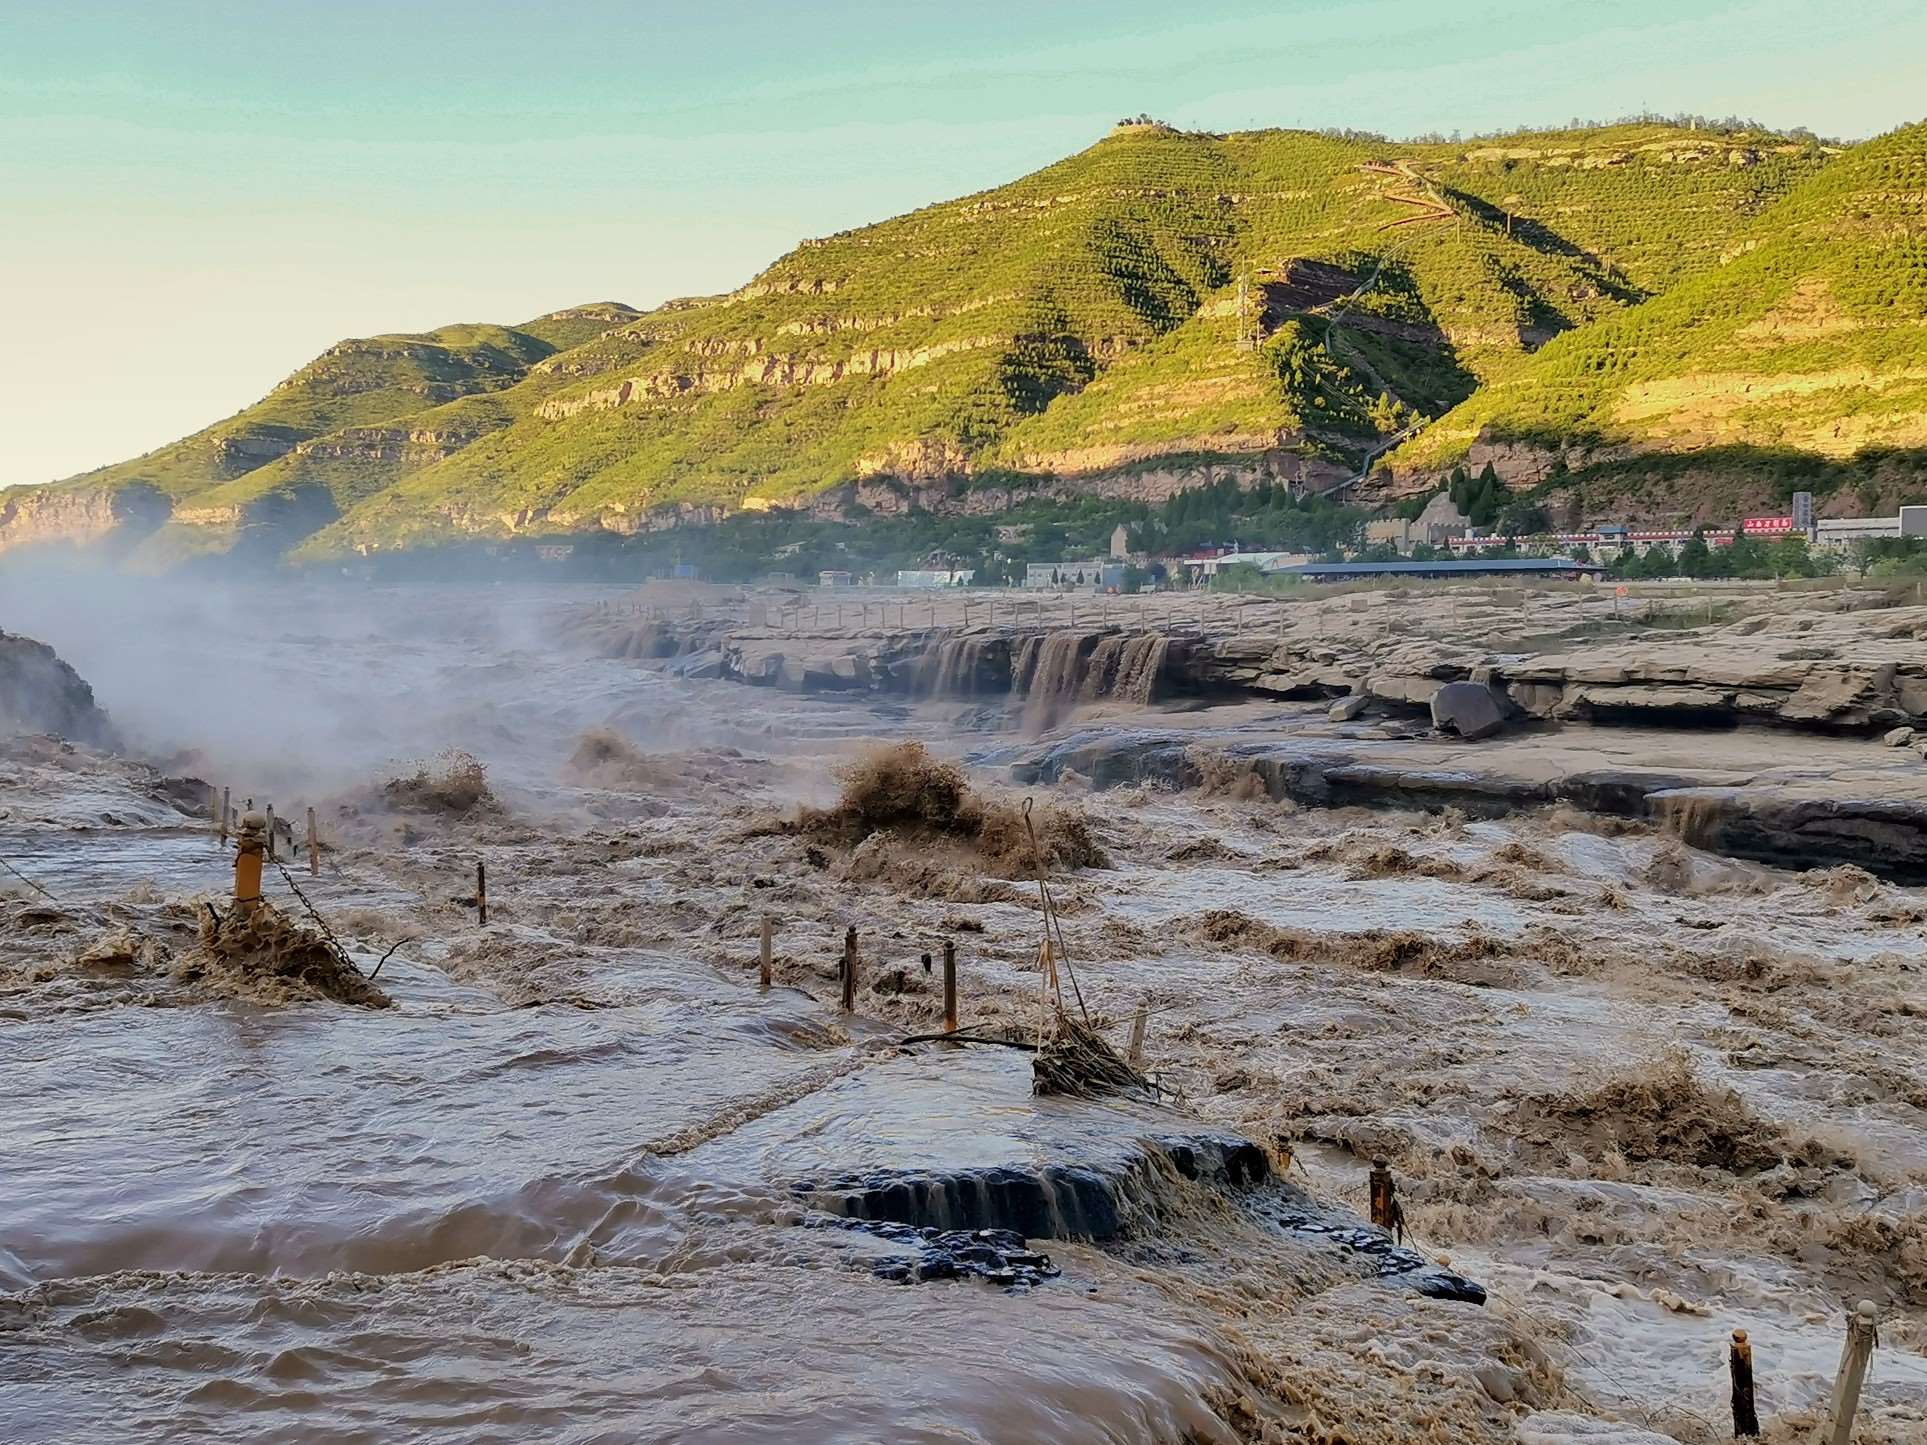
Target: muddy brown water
571 1186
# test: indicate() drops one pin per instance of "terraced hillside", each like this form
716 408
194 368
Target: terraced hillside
1800 362
1157 308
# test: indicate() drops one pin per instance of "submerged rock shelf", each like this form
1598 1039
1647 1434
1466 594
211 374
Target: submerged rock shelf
953 1142
1095 1201
1871 812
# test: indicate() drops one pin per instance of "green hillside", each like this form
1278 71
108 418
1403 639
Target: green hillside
1279 301
346 425
1800 362
1086 318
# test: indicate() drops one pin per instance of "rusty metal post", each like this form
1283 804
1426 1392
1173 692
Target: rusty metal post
1862 1335
1381 1186
227 814
249 847
1387 1213
1739 1360
950 985
314 846
763 949
849 970
481 892
270 832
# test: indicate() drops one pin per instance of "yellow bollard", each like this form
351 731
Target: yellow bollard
250 845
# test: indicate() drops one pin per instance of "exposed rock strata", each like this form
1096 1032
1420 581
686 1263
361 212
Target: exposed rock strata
1551 658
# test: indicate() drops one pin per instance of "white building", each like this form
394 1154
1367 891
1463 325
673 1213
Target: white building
1841 531
936 576
1094 572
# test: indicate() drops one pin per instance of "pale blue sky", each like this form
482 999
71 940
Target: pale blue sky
196 197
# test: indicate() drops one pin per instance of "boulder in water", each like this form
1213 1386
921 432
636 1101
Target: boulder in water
1467 709
1898 737
1348 708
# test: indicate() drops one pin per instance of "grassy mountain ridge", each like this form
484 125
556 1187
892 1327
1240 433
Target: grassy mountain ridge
1803 354
1085 317
1278 300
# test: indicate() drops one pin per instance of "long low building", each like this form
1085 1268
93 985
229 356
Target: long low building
1558 567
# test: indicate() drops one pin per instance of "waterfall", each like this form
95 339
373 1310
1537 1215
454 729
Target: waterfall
951 669
1054 678
1024 666
1101 671
1141 667
1053 672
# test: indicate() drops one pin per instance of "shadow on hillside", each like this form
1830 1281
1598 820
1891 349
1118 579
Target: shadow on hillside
1877 478
1543 239
1376 322
273 524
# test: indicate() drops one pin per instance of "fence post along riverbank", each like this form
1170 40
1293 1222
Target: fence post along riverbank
1739 1359
950 985
1862 1335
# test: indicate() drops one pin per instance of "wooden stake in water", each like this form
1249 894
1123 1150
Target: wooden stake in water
314 846
1136 1054
1862 1335
950 985
1739 1360
763 949
481 892
849 970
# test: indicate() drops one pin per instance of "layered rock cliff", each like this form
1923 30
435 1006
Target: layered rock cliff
39 693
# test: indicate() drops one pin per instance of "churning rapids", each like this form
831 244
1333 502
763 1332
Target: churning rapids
584 1180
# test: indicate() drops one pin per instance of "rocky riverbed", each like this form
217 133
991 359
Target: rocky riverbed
1636 1091
1834 660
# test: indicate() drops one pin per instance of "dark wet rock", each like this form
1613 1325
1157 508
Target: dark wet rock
1886 836
1053 1201
704 666
1296 1214
39 693
1001 1256
195 796
1468 709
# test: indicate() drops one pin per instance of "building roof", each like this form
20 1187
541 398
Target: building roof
1435 569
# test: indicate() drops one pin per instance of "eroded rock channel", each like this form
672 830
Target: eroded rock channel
1634 1090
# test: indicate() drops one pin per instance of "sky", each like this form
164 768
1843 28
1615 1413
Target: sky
198 197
